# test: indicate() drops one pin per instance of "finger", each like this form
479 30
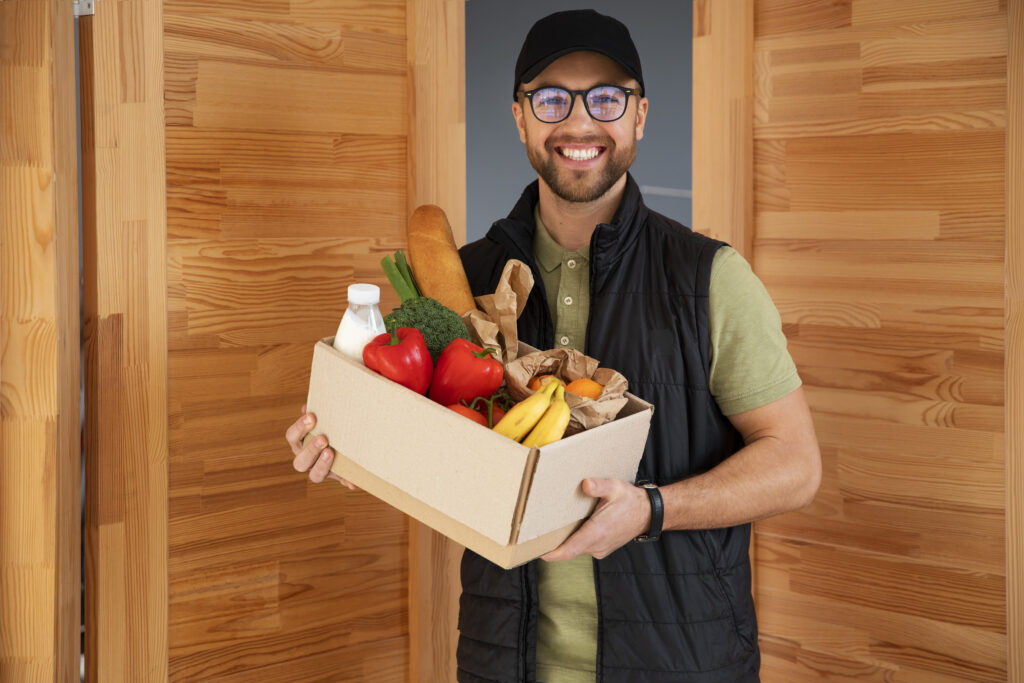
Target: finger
559 554
322 466
309 453
343 482
576 544
297 432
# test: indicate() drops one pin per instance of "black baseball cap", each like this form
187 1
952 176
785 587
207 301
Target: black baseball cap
558 34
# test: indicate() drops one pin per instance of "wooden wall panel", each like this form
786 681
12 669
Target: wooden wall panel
124 264
880 208
40 426
287 168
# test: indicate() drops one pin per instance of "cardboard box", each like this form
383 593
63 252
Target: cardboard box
502 500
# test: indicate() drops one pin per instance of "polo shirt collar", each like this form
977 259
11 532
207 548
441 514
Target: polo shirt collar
548 252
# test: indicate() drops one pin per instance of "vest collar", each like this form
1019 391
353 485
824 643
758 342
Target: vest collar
607 245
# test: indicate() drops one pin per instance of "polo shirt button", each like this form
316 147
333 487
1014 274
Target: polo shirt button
568 301
564 340
571 263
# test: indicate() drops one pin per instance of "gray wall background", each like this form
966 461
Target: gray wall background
496 166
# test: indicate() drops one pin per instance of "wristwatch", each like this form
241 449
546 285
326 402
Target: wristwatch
657 512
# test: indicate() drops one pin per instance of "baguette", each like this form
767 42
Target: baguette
435 260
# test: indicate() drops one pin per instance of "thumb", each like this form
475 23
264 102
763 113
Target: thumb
597 488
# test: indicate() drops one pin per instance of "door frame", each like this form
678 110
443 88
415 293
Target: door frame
40 439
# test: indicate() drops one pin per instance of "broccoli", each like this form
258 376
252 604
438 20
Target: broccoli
438 323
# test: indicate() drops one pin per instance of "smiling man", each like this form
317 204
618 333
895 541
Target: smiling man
655 586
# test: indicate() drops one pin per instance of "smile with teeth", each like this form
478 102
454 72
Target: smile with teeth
579 154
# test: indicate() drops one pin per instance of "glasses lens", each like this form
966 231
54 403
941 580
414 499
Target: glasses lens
551 104
606 102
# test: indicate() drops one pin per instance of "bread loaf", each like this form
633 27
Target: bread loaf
435 259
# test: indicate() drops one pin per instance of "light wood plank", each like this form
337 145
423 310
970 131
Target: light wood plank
257 97
124 219
784 16
40 537
932 646
867 12
316 47
848 225
723 119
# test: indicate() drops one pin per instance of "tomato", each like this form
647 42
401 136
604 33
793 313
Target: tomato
466 411
498 414
498 403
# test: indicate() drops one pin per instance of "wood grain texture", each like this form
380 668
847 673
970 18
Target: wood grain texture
124 279
286 181
722 121
880 189
437 175
40 536
1015 341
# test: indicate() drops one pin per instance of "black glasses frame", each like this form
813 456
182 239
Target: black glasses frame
528 94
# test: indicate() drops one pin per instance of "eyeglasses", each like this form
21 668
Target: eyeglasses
603 102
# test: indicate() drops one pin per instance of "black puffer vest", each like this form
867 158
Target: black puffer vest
674 611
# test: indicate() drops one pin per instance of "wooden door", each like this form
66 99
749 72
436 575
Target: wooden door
245 163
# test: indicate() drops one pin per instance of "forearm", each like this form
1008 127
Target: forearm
758 481
777 471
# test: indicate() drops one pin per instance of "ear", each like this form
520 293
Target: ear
641 117
517 113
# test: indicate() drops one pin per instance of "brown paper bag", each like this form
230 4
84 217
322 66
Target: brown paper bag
567 365
495 326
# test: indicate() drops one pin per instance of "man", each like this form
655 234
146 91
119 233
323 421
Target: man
655 586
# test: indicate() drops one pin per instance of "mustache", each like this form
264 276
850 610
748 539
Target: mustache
594 140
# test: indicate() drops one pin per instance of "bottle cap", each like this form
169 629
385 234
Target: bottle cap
363 294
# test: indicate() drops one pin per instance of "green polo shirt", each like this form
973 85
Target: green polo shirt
750 367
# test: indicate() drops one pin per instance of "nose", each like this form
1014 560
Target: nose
579 117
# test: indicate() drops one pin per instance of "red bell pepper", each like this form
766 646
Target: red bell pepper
464 372
401 356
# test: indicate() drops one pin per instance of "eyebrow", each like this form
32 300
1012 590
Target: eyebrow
596 85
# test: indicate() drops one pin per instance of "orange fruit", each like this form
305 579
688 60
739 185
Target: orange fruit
585 387
540 380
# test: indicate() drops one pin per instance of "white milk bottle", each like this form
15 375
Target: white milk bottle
362 321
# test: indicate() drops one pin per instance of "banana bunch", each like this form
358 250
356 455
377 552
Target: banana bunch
538 420
552 424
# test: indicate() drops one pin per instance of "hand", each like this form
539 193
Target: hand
623 514
316 456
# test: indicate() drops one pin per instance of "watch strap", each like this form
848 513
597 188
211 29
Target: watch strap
657 512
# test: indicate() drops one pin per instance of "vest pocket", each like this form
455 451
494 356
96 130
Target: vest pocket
729 582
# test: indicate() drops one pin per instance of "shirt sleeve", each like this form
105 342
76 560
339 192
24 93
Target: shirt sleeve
750 365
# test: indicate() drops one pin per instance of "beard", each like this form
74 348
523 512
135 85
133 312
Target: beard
581 186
